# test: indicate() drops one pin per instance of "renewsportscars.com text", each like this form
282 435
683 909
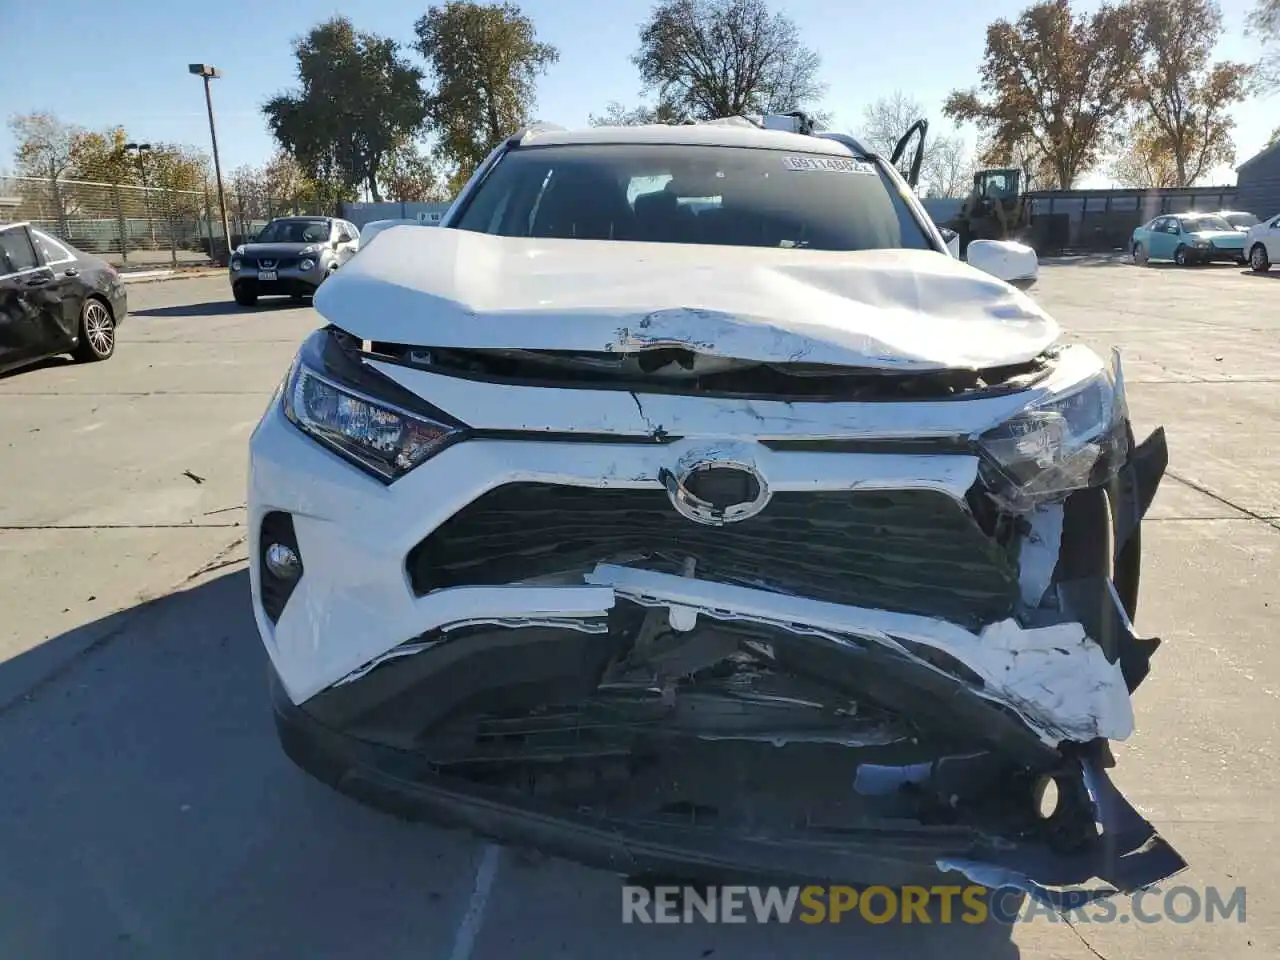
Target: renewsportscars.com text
937 904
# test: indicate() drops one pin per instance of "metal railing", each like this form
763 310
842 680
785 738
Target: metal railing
133 226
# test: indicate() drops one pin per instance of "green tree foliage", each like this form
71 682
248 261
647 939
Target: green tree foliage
358 101
411 176
718 58
1057 80
484 61
45 145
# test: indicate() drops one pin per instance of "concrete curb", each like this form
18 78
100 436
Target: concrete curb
155 276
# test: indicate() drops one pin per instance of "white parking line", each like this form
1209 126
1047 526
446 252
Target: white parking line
465 936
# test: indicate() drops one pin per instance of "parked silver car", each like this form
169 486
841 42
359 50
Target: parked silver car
292 256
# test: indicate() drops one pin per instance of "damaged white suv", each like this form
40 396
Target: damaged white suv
681 506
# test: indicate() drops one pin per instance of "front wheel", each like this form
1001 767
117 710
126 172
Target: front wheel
1182 257
245 297
97 332
1140 255
1258 259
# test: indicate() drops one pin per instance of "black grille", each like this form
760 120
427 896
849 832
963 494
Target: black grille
914 551
277 263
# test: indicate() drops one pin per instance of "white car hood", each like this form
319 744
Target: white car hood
884 309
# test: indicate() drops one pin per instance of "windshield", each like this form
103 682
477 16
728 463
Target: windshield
1196 224
1241 219
294 231
666 193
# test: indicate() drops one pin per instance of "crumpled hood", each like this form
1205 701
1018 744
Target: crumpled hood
886 309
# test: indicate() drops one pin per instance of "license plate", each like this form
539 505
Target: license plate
266 274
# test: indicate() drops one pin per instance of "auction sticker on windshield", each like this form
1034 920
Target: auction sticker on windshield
829 164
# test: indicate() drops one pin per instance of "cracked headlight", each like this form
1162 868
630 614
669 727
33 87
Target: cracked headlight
1066 441
385 440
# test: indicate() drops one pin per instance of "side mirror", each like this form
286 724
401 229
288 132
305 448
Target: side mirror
1011 262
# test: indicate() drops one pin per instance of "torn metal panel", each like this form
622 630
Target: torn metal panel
1055 678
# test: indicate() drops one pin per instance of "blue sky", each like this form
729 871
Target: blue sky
129 67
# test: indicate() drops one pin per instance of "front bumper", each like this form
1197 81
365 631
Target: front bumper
290 280
1218 254
413 672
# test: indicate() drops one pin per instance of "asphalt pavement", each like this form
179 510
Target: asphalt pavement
147 811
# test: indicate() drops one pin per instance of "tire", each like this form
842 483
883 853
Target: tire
1258 260
1181 257
1140 256
245 298
97 332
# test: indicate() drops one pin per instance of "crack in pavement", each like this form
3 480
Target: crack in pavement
1249 514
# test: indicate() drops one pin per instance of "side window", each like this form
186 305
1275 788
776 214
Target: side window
16 252
50 249
1275 224
353 230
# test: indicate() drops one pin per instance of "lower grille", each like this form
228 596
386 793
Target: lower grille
914 551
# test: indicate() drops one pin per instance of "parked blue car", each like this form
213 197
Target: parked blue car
1187 238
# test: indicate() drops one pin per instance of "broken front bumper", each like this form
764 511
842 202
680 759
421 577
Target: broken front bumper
890 639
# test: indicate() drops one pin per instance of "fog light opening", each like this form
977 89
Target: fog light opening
1046 798
283 562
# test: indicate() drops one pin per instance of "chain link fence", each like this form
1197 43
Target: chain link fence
139 225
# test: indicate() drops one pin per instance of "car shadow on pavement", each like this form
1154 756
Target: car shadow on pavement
1273 274
148 811
48 363
218 308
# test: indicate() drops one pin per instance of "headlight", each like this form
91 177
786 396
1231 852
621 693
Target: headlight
1200 243
238 251
385 440
235 263
306 265
308 250
1064 442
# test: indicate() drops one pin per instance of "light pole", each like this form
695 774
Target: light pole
137 150
207 73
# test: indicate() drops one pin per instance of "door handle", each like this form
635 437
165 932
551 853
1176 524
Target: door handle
37 281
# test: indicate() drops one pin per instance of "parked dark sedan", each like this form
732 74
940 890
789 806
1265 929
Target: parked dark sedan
55 299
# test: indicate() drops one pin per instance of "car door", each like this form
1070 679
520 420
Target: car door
1271 239
67 286
1158 240
28 311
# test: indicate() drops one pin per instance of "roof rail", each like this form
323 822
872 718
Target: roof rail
524 134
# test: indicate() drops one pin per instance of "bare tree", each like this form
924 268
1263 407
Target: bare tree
947 169
885 121
1264 23
721 58
617 115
